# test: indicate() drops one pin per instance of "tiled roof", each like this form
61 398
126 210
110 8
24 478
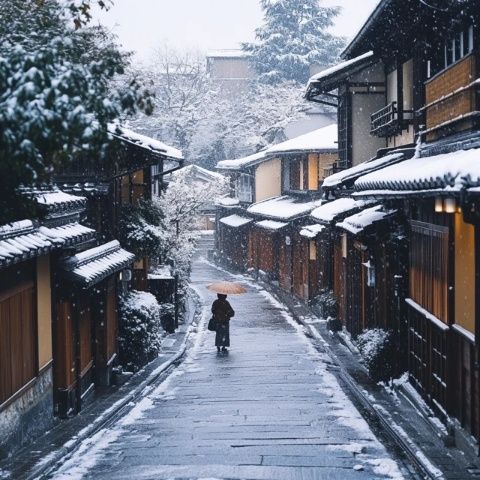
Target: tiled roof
337 180
361 220
20 241
284 207
447 172
94 265
24 240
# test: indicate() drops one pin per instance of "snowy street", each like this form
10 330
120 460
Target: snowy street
270 409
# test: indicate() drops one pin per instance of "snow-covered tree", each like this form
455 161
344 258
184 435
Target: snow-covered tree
56 95
294 37
182 89
192 113
181 204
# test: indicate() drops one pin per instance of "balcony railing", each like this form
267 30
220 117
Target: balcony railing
385 121
389 120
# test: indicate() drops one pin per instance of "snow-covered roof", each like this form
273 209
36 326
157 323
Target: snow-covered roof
228 53
20 241
242 162
451 172
284 208
162 272
69 234
328 212
321 140
55 200
143 141
227 202
94 265
337 71
311 231
236 221
271 225
339 178
200 172
361 220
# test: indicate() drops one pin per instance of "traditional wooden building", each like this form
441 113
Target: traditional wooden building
283 182
426 95
28 253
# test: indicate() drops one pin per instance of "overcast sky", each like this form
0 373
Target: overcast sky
204 24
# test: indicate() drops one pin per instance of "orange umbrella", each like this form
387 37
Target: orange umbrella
227 288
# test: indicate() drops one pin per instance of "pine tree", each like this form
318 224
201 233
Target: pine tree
294 38
56 96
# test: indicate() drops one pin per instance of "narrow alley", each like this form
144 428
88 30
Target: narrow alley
269 409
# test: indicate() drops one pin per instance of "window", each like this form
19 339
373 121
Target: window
429 268
459 45
244 188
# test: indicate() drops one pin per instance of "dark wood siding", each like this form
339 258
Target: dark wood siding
18 338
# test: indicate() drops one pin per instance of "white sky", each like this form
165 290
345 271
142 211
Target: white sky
204 24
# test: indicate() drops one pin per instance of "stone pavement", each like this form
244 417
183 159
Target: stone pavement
33 460
270 409
399 409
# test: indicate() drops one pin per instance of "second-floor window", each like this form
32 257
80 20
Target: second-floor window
457 46
244 188
303 173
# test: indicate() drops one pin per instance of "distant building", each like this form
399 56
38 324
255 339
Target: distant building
230 68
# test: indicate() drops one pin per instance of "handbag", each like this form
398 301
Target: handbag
212 325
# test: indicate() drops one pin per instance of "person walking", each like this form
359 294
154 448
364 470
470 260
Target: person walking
222 313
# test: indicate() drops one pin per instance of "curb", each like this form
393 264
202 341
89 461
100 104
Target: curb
114 412
412 451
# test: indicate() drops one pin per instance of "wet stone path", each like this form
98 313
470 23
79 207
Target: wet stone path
270 409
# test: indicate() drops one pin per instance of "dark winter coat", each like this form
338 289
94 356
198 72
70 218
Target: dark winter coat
222 312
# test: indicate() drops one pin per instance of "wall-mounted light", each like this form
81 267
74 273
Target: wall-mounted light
450 205
446 205
126 275
288 240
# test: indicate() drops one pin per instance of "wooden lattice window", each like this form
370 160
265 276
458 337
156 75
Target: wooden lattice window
429 268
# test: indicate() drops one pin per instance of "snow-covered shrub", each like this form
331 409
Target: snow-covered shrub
140 329
327 304
167 315
378 351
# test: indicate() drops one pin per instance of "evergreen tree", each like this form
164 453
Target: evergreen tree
56 95
294 37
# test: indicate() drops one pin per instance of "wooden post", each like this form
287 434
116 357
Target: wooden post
78 364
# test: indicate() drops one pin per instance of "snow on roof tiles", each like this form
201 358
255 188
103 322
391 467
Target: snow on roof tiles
337 179
284 208
271 225
311 231
145 142
69 234
340 68
328 212
56 200
451 171
236 221
319 140
361 220
92 266
20 241
241 162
